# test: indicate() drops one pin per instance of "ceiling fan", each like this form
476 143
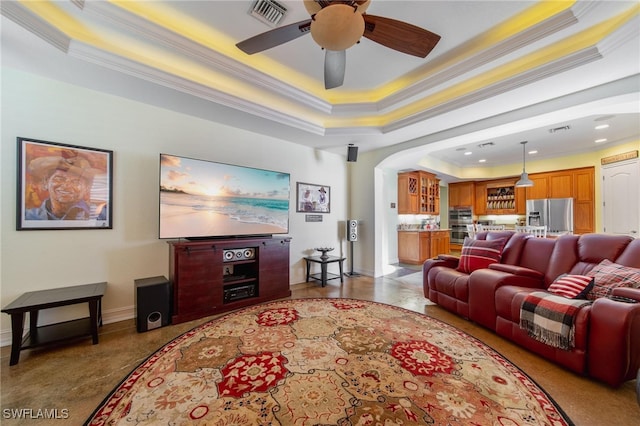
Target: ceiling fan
336 25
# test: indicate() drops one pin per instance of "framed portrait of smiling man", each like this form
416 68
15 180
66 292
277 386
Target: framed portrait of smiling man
63 186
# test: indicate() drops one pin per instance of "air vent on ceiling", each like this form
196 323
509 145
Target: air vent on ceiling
486 144
559 129
268 11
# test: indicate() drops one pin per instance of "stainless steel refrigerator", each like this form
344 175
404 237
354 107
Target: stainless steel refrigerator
555 213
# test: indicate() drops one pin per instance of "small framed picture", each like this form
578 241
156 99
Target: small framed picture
63 186
311 198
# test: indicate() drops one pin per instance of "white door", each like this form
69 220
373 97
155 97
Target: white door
621 189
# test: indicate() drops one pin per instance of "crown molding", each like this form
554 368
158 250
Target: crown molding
79 3
111 61
33 23
202 54
566 63
151 31
438 72
627 32
90 54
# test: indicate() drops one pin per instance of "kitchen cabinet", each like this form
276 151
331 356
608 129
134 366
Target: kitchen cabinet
558 184
501 197
418 193
462 194
414 247
521 201
480 202
561 184
540 188
409 247
408 193
429 194
584 200
439 243
498 197
578 184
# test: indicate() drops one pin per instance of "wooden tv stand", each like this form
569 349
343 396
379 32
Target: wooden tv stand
219 275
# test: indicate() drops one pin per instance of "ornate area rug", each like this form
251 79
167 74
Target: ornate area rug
327 362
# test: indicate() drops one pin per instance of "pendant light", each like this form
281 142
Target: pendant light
524 177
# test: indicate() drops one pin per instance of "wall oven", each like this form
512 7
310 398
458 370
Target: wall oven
459 218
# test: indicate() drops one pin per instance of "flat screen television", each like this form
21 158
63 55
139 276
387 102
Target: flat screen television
205 199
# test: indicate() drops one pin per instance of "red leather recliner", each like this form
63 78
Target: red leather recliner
607 333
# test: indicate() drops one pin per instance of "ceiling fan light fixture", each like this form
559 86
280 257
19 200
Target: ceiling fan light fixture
524 181
337 27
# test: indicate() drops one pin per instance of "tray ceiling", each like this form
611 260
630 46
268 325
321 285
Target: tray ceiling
503 71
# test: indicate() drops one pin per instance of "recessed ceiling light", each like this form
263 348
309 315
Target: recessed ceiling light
602 126
600 140
535 151
468 153
482 160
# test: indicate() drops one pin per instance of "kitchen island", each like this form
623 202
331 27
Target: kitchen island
416 246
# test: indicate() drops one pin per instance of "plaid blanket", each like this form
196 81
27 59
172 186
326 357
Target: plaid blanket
550 319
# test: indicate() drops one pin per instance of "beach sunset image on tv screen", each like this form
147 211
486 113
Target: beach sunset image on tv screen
200 199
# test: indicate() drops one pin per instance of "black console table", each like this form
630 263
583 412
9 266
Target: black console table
34 301
324 276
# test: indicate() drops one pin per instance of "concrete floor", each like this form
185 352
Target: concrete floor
74 378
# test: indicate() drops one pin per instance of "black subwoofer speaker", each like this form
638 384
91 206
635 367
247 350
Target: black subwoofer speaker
153 303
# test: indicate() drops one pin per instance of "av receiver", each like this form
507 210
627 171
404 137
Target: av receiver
232 255
239 292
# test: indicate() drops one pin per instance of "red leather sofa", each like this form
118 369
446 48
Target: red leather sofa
607 332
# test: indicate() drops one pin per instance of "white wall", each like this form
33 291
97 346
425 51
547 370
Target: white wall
35 107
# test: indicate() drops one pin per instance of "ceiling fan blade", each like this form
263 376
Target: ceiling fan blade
334 66
274 37
400 36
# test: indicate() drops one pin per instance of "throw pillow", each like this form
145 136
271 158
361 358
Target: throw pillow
478 254
572 286
609 275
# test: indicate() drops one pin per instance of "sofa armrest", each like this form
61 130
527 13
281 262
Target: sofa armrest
483 284
517 270
628 292
445 260
614 340
451 260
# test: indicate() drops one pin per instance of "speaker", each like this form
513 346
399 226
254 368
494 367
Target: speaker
153 297
238 254
352 230
352 153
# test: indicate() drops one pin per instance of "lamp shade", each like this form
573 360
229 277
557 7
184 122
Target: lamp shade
524 181
337 27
